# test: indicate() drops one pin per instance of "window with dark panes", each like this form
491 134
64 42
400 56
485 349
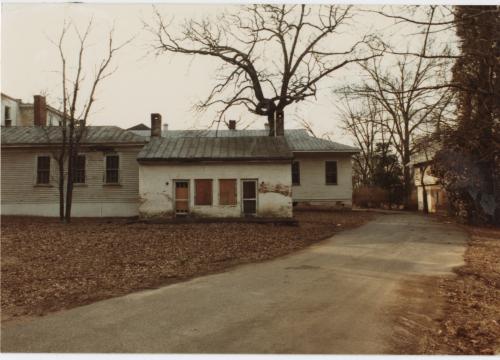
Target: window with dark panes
43 170
7 113
112 169
227 192
331 172
203 192
295 173
79 170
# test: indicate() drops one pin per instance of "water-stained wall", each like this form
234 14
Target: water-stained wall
156 187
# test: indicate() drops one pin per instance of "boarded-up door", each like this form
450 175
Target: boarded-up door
249 197
181 197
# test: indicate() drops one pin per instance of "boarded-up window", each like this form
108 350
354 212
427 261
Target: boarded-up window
227 192
203 192
331 172
79 170
43 170
295 173
112 169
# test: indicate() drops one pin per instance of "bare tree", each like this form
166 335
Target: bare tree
409 96
76 107
252 75
363 124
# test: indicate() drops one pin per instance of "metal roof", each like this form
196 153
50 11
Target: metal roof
215 148
37 135
140 126
298 140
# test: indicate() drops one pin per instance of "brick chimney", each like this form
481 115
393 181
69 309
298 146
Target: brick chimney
39 111
155 125
232 125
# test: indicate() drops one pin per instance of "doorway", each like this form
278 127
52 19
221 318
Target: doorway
249 197
181 197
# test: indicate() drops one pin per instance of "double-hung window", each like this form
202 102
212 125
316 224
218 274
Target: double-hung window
331 172
79 170
43 170
112 175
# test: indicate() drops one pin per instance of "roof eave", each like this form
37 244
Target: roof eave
221 159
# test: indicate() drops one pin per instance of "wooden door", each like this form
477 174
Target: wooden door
181 197
249 197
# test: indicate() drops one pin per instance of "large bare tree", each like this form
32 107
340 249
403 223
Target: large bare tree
77 104
271 55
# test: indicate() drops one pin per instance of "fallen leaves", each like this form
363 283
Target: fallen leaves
49 266
470 303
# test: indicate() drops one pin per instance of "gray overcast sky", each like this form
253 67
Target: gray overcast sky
143 83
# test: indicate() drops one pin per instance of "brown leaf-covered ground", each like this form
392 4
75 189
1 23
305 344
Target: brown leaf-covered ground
456 314
48 266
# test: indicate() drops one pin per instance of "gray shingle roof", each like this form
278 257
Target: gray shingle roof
215 148
35 135
298 139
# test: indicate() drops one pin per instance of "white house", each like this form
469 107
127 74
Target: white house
231 173
425 182
39 113
106 175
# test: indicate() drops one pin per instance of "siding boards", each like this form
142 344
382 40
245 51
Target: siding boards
312 178
19 178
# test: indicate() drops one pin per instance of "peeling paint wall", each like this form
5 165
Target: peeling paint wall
313 189
156 188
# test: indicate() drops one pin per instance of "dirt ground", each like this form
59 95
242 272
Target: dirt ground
47 266
457 314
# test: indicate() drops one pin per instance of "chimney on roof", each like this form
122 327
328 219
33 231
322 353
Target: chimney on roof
155 125
232 125
165 128
266 126
39 110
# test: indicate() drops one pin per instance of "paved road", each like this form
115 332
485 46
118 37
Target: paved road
333 297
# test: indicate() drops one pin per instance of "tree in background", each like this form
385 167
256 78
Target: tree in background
361 120
469 162
407 86
271 55
388 173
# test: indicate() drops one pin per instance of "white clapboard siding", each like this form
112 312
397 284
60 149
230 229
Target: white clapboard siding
19 186
312 178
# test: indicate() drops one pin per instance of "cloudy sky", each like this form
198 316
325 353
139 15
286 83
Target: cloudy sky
144 82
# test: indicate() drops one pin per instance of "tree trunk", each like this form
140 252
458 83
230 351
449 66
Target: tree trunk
60 162
69 185
424 190
270 121
280 122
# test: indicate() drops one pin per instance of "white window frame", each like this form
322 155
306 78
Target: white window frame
104 176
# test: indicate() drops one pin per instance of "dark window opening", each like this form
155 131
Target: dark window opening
43 170
331 172
295 173
6 116
79 170
112 169
203 192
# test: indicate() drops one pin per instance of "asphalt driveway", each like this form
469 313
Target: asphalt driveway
334 297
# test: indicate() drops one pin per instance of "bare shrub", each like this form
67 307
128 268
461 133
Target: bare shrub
370 197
